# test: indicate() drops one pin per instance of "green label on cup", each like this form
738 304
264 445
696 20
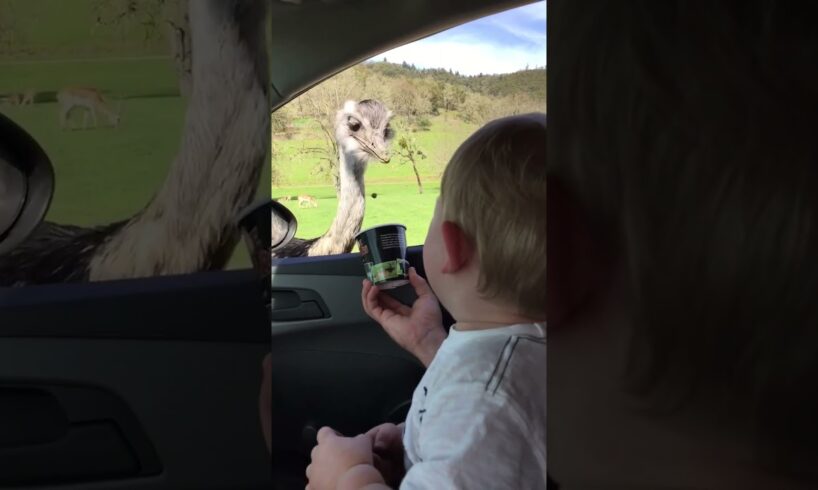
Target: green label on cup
383 253
386 271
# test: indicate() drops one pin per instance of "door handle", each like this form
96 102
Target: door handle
292 305
52 434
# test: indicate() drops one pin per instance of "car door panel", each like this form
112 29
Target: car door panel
341 370
141 384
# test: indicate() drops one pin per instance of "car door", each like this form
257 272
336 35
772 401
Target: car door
148 383
331 364
142 384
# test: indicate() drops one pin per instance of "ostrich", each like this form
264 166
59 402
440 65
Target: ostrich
362 132
189 224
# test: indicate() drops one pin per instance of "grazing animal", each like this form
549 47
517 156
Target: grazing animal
362 133
88 99
190 224
27 97
305 201
20 98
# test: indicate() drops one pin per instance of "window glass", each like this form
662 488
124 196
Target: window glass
104 88
439 90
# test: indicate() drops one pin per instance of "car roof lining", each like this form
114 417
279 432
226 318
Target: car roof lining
314 40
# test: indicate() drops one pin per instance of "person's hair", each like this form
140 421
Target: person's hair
688 132
494 189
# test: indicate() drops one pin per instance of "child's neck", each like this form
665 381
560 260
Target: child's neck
488 318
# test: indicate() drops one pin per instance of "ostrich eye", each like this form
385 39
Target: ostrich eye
388 132
354 124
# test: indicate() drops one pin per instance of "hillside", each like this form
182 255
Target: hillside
529 82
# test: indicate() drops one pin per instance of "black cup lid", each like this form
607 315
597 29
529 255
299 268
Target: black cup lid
379 226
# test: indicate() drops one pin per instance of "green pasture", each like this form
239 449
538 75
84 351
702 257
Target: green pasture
60 29
395 203
105 174
394 184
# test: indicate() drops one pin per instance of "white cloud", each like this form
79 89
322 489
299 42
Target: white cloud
531 35
512 42
469 58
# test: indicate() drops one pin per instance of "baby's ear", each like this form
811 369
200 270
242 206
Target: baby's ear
459 248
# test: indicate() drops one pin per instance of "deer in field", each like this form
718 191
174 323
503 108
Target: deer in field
91 101
21 98
305 201
9 100
27 97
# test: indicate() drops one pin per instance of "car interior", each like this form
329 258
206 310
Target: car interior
327 354
153 383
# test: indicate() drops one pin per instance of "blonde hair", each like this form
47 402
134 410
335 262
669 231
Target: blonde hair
494 189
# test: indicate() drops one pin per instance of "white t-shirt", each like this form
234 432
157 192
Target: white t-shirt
477 419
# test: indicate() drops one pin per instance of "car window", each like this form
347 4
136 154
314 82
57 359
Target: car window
438 91
104 88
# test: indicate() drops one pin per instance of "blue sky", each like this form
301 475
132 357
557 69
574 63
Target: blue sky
501 43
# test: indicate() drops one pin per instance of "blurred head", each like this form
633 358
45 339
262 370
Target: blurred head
687 153
491 214
362 130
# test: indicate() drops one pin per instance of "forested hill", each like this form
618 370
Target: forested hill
529 82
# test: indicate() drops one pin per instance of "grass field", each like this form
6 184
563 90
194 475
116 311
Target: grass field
106 174
397 201
47 29
102 174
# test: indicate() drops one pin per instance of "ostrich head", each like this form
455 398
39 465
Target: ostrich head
362 130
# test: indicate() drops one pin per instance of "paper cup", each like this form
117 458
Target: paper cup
383 252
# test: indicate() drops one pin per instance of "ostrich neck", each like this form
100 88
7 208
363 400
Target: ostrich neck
340 237
216 172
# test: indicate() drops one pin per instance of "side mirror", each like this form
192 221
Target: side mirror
26 184
266 226
283 225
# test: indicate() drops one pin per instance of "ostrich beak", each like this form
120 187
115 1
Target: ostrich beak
384 157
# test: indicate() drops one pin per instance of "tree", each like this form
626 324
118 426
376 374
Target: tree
178 23
409 151
477 109
456 95
281 120
406 100
156 19
437 97
9 35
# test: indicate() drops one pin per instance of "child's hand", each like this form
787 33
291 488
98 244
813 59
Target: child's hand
387 446
334 456
418 329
